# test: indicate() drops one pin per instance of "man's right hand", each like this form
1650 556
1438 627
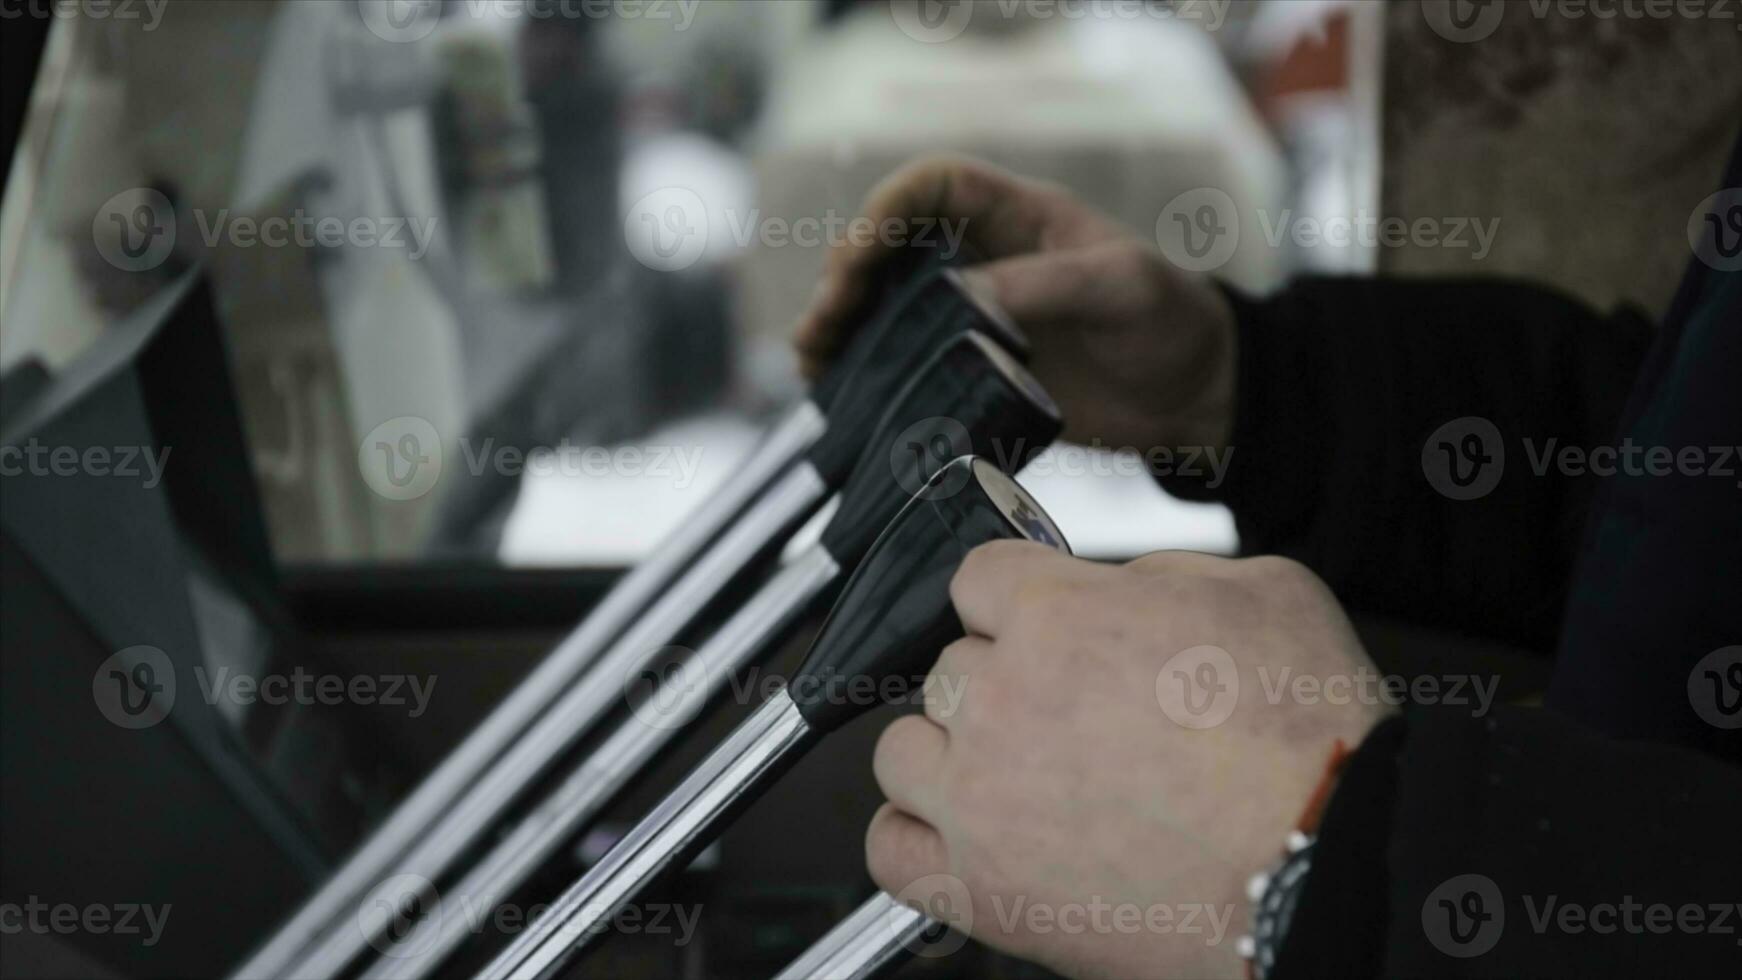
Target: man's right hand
1137 352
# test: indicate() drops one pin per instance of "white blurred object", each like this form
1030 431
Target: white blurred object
1111 513
1128 113
701 184
611 519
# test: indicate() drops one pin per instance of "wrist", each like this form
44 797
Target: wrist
1274 894
1194 410
1206 418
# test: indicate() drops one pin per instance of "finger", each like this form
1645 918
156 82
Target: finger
900 849
909 764
999 214
992 580
1042 287
947 684
1003 214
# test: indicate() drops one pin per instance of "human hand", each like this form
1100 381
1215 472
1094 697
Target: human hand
1136 352
1078 770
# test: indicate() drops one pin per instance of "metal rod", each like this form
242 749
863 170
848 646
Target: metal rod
753 756
579 706
628 751
876 937
338 898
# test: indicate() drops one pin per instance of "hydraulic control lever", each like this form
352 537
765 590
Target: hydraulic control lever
892 619
972 398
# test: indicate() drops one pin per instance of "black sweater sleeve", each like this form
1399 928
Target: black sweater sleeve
1522 844
1342 382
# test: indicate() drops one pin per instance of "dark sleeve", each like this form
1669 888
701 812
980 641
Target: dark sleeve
1343 385
1522 844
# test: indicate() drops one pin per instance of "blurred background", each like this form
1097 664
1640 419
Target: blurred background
524 308
506 288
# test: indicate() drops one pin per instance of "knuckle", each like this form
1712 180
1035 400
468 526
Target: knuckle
1051 192
952 658
1278 569
978 561
925 178
1175 567
1013 549
1131 261
967 575
894 750
901 849
951 164
971 180
1064 602
1155 563
1069 597
979 564
948 678
1033 603
980 700
1077 274
883 849
913 173
1284 581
